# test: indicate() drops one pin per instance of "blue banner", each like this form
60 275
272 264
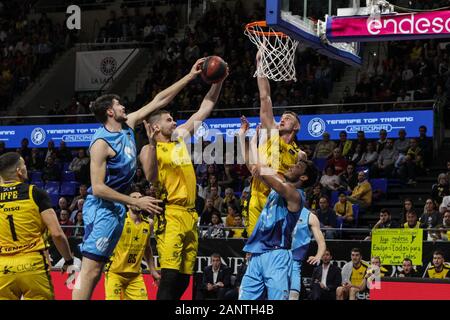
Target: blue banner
313 127
75 135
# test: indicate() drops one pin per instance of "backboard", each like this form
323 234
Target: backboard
305 20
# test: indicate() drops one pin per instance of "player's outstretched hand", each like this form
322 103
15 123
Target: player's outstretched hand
151 132
196 68
314 260
149 204
244 126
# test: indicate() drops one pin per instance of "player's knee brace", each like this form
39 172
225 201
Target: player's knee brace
167 286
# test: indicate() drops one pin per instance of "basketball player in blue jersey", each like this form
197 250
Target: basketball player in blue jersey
270 268
113 165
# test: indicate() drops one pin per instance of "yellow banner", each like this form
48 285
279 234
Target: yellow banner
393 245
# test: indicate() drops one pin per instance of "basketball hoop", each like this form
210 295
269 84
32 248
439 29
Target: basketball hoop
277 51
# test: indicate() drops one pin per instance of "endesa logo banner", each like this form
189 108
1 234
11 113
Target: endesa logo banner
422 25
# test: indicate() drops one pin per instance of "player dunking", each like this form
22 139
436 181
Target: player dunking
166 160
25 214
282 144
279 226
113 165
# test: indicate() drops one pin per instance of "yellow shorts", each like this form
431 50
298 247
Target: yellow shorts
125 286
177 240
255 206
25 276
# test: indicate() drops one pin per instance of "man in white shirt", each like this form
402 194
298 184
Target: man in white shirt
325 279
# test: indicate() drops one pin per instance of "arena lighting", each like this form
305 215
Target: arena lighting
409 25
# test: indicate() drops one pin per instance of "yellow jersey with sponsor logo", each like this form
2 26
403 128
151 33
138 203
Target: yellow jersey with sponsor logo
22 229
130 249
176 173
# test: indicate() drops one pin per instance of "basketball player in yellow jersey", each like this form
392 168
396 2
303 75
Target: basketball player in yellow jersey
166 160
123 278
279 151
25 214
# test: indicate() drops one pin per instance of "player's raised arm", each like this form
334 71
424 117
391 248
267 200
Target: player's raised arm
164 97
285 189
99 153
207 105
147 157
266 108
318 236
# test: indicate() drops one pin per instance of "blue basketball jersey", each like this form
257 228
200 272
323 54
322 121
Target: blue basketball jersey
301 236
274 227
121 168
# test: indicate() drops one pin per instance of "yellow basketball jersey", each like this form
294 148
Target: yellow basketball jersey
279 155
434 274
21 227
128 254
358 274
176 173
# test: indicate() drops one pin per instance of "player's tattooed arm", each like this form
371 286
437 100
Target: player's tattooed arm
147 157
318 236
164 97
205 109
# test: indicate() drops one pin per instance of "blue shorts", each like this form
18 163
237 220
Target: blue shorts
296 276
269 273
103 221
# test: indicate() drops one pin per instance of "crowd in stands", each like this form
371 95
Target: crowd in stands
26 47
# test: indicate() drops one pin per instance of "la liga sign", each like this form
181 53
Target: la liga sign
408 26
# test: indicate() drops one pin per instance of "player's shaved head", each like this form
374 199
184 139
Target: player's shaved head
294 114
156 116
9 162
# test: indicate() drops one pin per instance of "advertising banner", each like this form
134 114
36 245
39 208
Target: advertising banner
404 26
75 135
313 126
94 68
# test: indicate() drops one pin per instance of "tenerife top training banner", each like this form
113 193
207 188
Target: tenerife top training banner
313 127
94 68
405 26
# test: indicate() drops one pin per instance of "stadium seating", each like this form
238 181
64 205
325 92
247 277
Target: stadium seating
69 188
52 187
68 176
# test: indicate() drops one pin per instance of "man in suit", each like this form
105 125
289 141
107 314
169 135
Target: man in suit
325 279
216 279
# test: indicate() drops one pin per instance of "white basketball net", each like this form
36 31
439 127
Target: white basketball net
277 53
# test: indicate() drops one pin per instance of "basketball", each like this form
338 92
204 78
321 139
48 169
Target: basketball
214 69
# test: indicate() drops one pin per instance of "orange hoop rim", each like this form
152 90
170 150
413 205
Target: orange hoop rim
263 24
